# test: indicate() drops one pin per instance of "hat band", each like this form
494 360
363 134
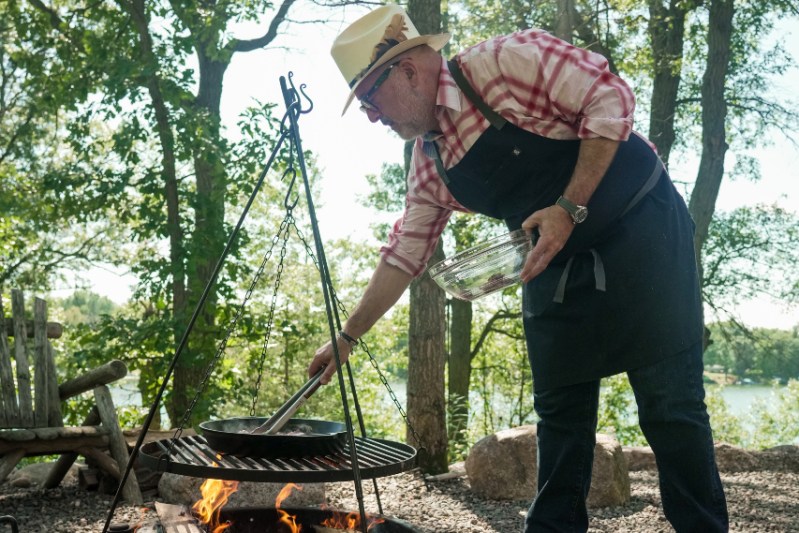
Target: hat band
380 50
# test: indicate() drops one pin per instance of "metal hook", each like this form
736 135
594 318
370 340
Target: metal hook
289 205
297 93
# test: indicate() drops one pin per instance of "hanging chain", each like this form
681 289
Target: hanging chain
286 224
284 229
231 328
365 347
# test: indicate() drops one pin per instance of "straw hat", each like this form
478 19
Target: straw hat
375 39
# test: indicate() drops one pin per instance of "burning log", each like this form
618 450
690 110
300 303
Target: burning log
214 519
216 493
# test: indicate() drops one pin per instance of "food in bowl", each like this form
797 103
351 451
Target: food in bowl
484 269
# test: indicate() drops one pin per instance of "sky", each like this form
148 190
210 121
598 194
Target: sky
349 147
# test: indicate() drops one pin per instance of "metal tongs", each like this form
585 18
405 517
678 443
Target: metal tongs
276 422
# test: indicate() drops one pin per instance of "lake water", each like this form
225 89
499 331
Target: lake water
740 399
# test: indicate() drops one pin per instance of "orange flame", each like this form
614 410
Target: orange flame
216 493
289 520
349 521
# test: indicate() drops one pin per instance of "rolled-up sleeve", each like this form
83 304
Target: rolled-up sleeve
428 207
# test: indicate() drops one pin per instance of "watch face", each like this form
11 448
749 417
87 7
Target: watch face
578 212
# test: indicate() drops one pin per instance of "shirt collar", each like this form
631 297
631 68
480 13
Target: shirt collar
448 92
448 97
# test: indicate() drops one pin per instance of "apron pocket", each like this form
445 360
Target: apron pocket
539 294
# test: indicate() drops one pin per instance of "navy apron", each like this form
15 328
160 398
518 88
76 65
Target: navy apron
624 290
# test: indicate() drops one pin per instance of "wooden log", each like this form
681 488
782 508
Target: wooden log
103 460
69 432
132 435
117 445
41 371
17 435
102 375
9 410
54 416
21 356
65 462
56 446
87 479
54 329
8 462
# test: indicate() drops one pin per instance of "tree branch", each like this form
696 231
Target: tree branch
58 23
254 44
489 328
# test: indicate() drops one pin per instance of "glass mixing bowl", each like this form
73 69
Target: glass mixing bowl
486 268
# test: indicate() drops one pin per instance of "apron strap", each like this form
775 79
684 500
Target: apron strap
492 116
650 182
431 150
599 276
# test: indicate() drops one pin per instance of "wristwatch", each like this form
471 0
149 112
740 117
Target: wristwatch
578 212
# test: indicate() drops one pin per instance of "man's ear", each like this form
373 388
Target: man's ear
410 70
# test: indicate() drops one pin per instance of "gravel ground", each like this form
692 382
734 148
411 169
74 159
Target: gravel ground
764 501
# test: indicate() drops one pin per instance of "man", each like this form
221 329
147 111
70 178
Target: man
531 130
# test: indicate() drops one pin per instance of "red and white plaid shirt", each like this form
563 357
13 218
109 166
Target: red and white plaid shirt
537 82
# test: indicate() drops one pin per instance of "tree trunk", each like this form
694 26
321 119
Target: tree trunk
460 370
666 32
166 140
426 351
426 360
207 241
714 113
564 26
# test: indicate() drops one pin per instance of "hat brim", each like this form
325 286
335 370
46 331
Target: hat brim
436 42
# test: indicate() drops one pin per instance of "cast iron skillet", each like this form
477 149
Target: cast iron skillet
315 437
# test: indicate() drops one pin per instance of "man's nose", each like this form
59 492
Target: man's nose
374 116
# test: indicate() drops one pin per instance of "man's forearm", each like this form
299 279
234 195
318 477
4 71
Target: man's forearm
385 288
593 161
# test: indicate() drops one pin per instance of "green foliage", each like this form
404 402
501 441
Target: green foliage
618 414
764 355
751 251
776 422
769 423
501 380
726 426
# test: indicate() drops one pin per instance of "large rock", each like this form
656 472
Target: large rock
640 458
503 466
731 458
184 490
35 474
610 482
783 458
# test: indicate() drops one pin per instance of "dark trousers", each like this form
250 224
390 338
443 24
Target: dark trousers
673 417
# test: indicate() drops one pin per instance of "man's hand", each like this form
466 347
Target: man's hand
554 228
324 357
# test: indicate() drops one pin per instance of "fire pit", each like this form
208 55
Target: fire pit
267 520
178 519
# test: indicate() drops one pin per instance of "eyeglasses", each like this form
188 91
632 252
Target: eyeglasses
366 99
